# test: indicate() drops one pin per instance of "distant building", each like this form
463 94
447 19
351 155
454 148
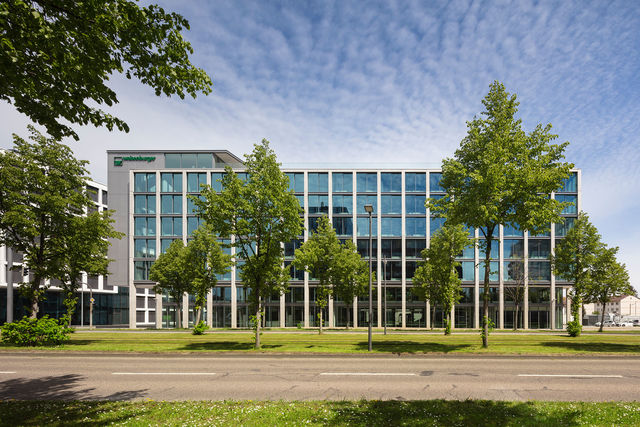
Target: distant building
624 305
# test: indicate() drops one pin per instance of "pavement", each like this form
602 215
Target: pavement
47 376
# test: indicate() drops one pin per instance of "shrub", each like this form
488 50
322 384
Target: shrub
200 328
35 332
574 328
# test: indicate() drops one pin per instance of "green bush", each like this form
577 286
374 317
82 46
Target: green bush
574 328
35 332
200 328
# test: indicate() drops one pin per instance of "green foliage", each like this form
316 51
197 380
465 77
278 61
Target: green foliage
484 333
338 267
200 328
205 257
575 257
502 175
260 212
40 198
173 274
436 279
35 332
574 328
57 56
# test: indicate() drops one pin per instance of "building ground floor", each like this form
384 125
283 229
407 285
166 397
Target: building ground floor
228 307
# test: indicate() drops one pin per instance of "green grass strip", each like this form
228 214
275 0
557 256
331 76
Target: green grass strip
353 413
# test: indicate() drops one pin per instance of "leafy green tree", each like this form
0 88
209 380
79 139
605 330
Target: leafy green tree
437 276
260 213
40 195
501 175
351 276
57 56
207 259
574 259
85 250
609 279
515 270
319 257
173 274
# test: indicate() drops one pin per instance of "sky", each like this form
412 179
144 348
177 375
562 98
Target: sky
393 83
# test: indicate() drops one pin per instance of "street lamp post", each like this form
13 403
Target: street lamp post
369 208
384 288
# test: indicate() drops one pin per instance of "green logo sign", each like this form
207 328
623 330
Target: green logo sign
117 161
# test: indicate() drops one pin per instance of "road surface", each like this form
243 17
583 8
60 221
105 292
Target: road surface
274 377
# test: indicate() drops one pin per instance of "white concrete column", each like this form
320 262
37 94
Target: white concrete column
427 316
501 277
132 288
378 265
210 308
476 290
158 299
185 310
330 313
552 300
283 312
9 275
354 192
403 284
525 302
306 237
234 292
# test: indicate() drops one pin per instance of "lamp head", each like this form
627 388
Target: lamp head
369 208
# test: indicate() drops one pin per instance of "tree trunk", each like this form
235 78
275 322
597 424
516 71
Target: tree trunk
35 287
515 319
433 316
447 327
258 321
602 317
179 314
320 318
348 316
198 314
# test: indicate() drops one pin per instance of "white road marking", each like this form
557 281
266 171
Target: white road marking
570 375
392 374
7 372
163 373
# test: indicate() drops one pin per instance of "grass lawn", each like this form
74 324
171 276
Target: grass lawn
359 413
355 342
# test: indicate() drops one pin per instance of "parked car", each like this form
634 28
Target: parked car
625 323
608 323
636 323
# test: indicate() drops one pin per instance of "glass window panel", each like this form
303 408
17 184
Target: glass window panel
392 227
539 270
416 226
468 270
140 204
363 248
539 248
342 204
434 182
570 185
391 182
513 271
564 226
205 160
415 182
391 204
300 201
414 247
167 182
192 224
364 200
510 230
140 182
189 160
343 226
177 226
194 181
363 226
164 244
414 205
513 248
539 295
167 226
166 204
572 209
318 204
543 233
495 249
493 271
342 182
177 204
435 224
367 182
391 248
177 182
469 252
318 182
216 177
151 248
151 226
140 248
172 161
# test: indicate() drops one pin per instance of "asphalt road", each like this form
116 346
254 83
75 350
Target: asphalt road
274 377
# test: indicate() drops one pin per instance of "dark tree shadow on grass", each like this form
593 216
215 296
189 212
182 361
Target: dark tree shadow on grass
448 412
223 346
411 346
594 347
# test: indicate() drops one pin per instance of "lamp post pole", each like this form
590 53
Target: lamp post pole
369 209
384 287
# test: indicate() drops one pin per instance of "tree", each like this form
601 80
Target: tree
205 257
609 279
85 248
259 213
57 56
317 256
573 260
351 276
501 175
515 270
173 274
437 276
41 193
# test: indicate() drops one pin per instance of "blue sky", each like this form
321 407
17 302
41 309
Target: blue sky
394 82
